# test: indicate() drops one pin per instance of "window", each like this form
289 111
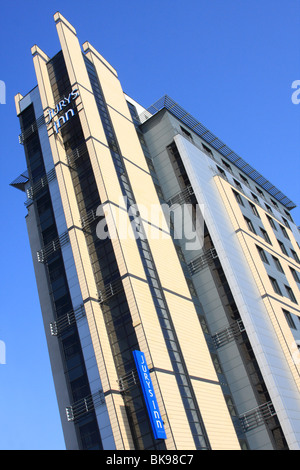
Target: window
289 319
238 185
227 165
295 256
268 208
238 198
277 264
255 197
254 210
272 222
291 294
284 232
275 285
262 254
220 170
259 191
250 224
274 203
295 275
207 149
288 215
244 179
286 222
283 248
265 236
186 133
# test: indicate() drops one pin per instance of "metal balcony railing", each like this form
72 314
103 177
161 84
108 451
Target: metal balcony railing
128 381
80 151
57 327
33 190
88 219
202 261
257 416
85 405
109 290
182 197
228 334
31 129
52 247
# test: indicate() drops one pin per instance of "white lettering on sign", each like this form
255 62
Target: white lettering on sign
53 112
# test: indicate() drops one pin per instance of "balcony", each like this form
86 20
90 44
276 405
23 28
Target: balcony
85 405
33 190
182 197
202 261
109 290
229 334
77 153
52 247
128 381
257 416
62 323
31 129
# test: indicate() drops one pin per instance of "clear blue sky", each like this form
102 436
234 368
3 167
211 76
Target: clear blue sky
229 63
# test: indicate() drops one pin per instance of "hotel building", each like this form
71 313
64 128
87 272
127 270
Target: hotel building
167 268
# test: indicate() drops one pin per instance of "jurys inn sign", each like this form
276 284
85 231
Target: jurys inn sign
59 107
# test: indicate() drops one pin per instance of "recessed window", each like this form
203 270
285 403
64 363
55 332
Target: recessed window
288 215
274 203
259 191
265 236
244 179
238 184
286 222
283 229
186 133
207 149
295 256
262 254
220 170
253 208
238 198
277 264
283 248
227 165
250 224
289 319
268 208
290 294
275 285
272 222
295 275
255 197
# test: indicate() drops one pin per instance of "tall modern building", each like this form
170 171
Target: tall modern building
167 268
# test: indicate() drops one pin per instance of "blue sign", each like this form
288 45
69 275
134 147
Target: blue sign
149 395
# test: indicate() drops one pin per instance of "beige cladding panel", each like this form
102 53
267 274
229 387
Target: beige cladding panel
166 261
217 421
127 138
40 64
89 115
119 113
72 52
143 312
190 337
123 240
176 414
